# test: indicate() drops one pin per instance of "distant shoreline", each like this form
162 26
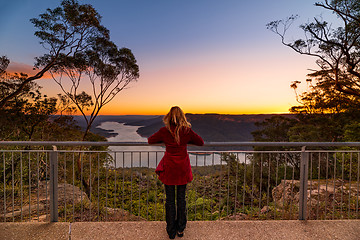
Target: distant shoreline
212 127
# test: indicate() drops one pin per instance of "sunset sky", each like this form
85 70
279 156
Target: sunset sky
206 56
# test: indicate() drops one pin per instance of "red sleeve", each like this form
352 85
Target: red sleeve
195 139
157 137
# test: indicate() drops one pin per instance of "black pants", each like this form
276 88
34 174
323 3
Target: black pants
175 213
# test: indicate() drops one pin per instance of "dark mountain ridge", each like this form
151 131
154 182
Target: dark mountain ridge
217 127
211 127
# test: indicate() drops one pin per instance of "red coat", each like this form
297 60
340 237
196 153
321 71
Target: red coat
174 168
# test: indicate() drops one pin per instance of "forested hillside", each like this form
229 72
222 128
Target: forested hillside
212 127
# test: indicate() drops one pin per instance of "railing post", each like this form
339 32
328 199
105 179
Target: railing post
304 170
54 214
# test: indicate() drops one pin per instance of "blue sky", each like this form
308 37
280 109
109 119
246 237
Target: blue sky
204 55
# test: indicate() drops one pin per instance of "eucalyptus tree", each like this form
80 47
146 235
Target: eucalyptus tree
68 31
105 68
332 98
95 63
336 46
79 54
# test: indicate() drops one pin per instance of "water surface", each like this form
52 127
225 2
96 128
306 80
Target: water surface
147 156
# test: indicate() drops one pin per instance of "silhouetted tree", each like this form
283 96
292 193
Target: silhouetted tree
337 50
107 69
331 101
78 49
65 31
4 63
104 67
323 112
274 129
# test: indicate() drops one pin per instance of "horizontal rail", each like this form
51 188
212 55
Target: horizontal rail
207 144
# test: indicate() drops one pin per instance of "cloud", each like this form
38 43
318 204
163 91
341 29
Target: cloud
16 67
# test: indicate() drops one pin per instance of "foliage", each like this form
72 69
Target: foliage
324 112
235 191
30 116
323 116
63 31
4 63
336 49
78 49
329 108
108 71
91 57
274 129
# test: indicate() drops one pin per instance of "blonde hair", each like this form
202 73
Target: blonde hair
176 117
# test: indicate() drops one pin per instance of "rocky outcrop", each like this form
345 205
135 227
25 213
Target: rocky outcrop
322 196
287 192
41 201
66 193
238 216
69 194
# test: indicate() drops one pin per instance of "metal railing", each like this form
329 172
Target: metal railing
115 181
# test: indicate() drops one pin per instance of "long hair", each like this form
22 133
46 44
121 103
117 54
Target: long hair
176 118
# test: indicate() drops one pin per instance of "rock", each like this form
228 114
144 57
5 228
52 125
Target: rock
69 194
216 212
329 188
121 214
238 216
42 218
286 192
25 210
66 193
265 209
339 182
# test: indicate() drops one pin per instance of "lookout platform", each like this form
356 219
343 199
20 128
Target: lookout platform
209 230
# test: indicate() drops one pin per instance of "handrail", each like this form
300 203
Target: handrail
207 144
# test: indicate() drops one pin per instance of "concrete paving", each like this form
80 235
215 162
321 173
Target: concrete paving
20 231
330 229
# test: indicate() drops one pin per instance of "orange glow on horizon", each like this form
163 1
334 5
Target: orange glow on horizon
163 111
203 63
204 85
15 67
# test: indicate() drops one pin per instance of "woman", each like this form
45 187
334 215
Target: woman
174 168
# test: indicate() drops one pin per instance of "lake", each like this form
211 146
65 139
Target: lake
148 156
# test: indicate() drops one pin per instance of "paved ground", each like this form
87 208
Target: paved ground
337 229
